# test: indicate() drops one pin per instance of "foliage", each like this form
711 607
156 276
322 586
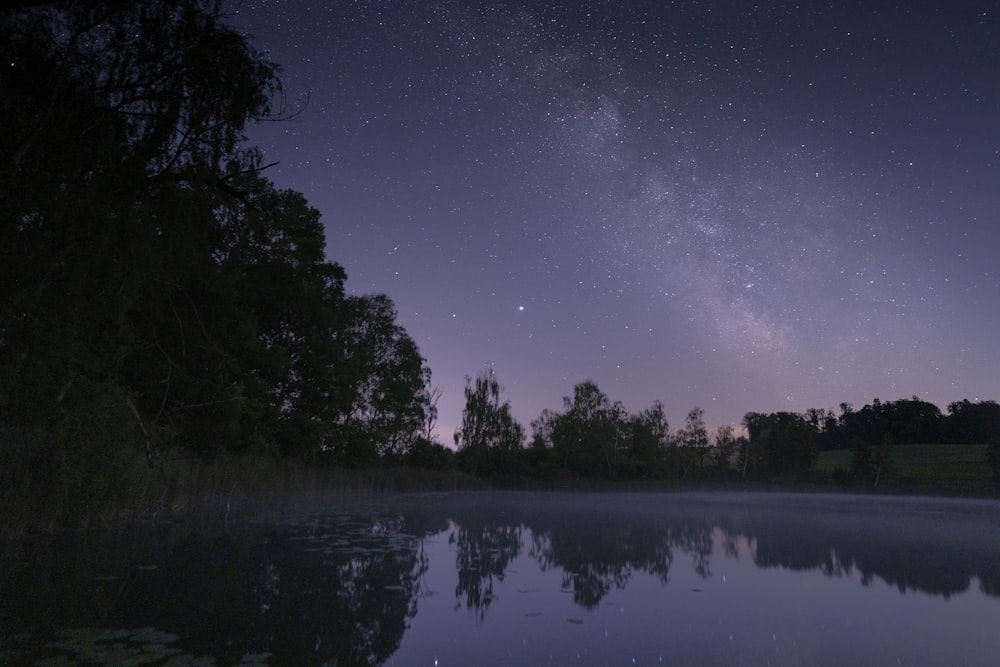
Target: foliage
425 453
905 421
647 441
490 438
973 422
727 447
155 290
781 444
589 436
596 437
385 395
691 445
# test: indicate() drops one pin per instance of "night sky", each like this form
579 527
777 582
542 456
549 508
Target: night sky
714 204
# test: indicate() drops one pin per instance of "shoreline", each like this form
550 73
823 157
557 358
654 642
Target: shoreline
240 488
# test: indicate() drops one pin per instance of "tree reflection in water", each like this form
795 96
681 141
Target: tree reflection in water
888 540
597 545
340 588
483 554
343 585
595 553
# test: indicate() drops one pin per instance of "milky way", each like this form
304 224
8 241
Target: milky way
707 204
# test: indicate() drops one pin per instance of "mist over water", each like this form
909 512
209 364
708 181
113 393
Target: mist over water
504 578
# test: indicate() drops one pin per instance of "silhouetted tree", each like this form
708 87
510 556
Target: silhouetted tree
780 444
387 382
824 423
490 438
540 456
690 444
587 436
972 423
648 438
909 421
155 289
424 453
122 124
431 395
727 445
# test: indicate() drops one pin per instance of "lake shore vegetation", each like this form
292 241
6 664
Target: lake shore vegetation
172 332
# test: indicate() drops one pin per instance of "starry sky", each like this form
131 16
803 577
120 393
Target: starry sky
732 205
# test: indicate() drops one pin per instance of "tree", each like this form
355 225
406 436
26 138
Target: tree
973 423
647 442
386 382
540 456
110 107
909 421
912 420
122 129
824 423
233 336
726 447
153 284
431 395
272 252
780 444
542 428
490 438
587 437
691 443
424 453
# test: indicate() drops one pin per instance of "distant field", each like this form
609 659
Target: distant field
941 468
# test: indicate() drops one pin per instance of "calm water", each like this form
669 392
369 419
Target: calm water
523 579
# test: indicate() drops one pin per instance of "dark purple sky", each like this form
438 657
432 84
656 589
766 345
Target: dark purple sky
705 203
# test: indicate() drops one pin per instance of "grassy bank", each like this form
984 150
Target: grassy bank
922 469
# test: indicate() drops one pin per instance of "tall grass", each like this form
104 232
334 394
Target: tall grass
182 487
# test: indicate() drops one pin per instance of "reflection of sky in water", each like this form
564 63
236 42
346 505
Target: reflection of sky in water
738 614
526 578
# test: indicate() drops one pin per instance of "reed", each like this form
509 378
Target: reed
181 487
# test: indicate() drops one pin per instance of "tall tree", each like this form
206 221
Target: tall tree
152 283
780 444
122 126
970 423
431 396
590 435
490 438
647 443
387 381
727 444
691 444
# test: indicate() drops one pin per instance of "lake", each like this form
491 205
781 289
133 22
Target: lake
518 578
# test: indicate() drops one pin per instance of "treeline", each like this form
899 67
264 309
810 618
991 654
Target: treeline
158 295
595 437
905 421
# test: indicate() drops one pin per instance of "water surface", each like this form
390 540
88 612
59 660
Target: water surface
522 578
